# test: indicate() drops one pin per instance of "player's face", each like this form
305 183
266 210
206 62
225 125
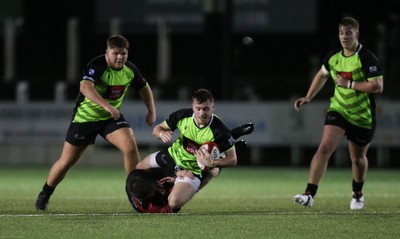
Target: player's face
348 37
202 112
116 57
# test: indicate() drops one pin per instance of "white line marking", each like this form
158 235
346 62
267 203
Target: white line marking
200 213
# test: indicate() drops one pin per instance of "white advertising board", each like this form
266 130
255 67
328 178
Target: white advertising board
276 123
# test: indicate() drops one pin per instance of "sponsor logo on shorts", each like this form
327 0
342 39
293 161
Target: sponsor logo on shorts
79 137
163 159
331 117
122 122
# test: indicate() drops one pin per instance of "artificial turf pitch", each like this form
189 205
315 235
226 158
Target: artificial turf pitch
243 202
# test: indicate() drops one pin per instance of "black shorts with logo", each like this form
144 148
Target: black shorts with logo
83 134
358 135
165 160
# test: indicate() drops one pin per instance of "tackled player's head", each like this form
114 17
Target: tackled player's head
142 188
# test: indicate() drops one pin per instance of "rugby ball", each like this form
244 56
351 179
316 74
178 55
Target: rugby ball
213 150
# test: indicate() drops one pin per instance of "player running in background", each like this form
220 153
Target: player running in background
148 190
357 75
103 86
197 125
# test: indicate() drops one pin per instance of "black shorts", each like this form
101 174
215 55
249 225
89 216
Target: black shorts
165 160
83 134
358 135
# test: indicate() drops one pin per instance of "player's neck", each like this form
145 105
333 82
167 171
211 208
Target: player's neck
351 50
202 123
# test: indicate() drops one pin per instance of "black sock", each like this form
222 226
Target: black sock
357 188
311 189
48 190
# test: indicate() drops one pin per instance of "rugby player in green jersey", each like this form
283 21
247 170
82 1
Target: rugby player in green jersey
358 77
197 125
103 86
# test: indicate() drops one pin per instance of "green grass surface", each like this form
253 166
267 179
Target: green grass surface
240 203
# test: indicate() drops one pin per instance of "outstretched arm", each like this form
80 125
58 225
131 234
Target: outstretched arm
316 85
147 96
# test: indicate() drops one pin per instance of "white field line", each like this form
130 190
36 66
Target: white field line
177 214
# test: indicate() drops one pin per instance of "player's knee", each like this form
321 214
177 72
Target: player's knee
65 165
359 161
214 172
325 149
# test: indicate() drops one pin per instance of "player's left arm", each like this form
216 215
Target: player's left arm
372 85
146 95
229 159
373 70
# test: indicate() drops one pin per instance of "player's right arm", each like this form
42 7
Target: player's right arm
162 132
88 90
316 85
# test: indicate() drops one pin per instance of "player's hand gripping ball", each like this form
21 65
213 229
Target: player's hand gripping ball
213 150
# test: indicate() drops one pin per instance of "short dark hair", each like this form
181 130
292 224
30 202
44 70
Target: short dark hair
142 188
202 95
349 21
117 41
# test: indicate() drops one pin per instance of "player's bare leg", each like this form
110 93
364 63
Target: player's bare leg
69 156
124 140
359 166
181 193
331 137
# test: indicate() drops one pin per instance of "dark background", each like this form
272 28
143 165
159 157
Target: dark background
276 67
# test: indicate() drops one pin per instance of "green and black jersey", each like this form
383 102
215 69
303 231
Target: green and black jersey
110 84
191 137
356 107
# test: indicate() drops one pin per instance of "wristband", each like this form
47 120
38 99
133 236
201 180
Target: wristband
350 84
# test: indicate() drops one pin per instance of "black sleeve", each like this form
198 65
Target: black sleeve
222 135
176 116
370 64
138 81
94 69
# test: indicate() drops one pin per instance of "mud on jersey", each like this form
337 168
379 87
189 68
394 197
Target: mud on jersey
110 84
191 137
356 107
